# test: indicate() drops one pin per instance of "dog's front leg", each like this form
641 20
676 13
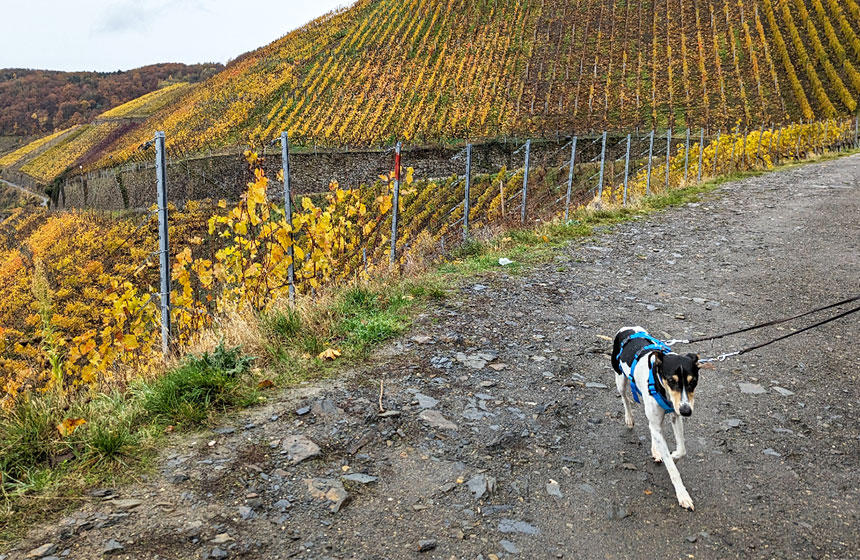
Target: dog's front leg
658 442
623 385
680 445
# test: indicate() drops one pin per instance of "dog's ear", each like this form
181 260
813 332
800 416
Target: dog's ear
658 359
694 357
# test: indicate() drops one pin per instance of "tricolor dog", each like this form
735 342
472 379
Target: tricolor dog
647 369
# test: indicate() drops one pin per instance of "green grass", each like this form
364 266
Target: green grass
201 385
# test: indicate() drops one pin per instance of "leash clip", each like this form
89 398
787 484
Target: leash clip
676 341
720 358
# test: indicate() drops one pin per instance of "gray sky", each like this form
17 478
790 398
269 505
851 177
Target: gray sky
108 35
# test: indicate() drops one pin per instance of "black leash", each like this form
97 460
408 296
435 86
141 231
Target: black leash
722 357
766 324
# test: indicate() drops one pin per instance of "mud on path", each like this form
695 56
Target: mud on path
508 440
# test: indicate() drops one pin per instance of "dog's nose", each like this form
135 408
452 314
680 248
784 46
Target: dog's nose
686 410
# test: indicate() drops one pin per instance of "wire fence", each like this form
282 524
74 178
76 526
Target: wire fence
209 257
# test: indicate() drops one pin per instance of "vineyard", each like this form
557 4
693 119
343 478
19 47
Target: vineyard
64 151
429 71
82 309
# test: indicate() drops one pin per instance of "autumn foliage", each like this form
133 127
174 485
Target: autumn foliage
38 102
81 307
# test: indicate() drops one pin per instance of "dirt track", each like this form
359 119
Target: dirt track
772 475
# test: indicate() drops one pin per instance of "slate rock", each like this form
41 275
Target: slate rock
361 478
425 401
474 361
298 448
219 553
325 407
772 452
221 538
509 547
553 489
282 505
593 385
112 547
125 504
441 362
425 545
494 509
481 484
751 388
514 526
616 512
328 489
435 419
782 391
178 478
472 413
44 550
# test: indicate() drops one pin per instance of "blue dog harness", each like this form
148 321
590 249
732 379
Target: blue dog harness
653 344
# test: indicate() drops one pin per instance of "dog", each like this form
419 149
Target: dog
646 367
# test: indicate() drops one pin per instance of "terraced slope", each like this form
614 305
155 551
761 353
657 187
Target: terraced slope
37 102
47 158
431 70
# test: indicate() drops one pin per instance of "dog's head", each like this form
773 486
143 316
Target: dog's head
679 374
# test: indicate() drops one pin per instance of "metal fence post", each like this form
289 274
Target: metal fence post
770 143
288 213
744 147
668 154
525 182
569 179
626 169
650 159
701 153
466 206
778 145
163 242
797 146
395 205
602 164
734 145
824 143
758 143
856 131
717 152
687 157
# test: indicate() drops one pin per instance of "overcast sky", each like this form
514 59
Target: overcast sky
107 35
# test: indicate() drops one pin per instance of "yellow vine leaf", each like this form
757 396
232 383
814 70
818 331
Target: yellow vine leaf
68 426
329 354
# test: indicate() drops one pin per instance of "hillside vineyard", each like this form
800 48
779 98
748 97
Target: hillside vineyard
432 70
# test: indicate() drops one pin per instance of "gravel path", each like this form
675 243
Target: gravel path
505 437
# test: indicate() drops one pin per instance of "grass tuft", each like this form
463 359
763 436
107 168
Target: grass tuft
202 384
